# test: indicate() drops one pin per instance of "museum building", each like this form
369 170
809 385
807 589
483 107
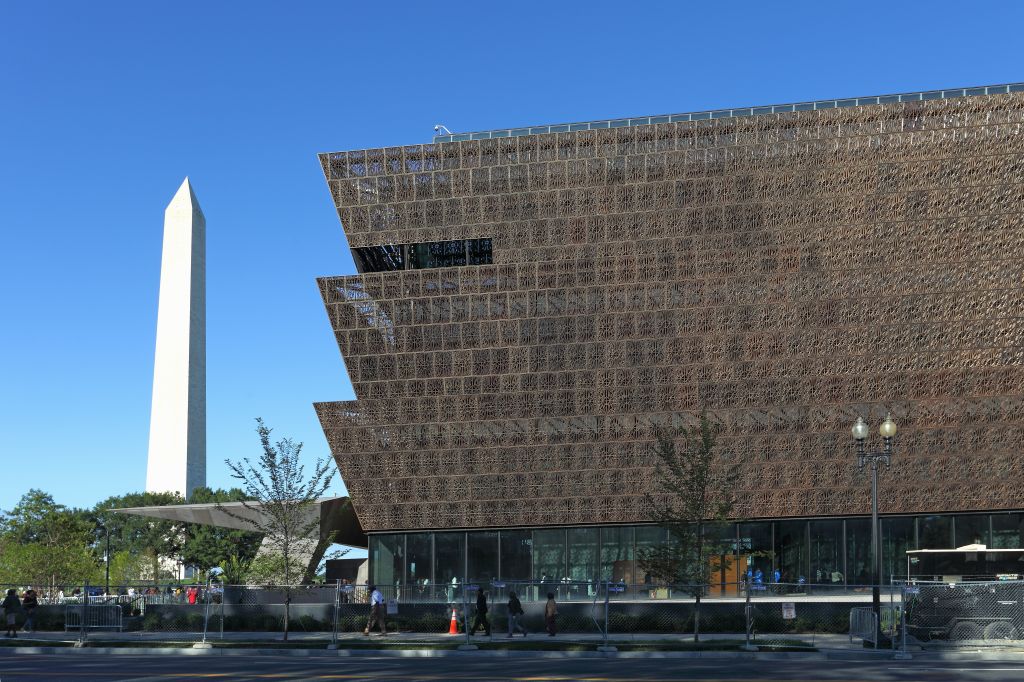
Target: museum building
532 303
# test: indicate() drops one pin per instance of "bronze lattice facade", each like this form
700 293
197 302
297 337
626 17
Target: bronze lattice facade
788 272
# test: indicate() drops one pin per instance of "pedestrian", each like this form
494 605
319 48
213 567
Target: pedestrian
481 614
550 613
193 595
29 602
515 609
376 612
11 606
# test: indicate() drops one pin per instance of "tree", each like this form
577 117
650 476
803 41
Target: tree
282 506
209 546
144 536
45 543
692 490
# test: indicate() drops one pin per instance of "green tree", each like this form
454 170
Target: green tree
282 507
692 490
209 546
147 537
45 543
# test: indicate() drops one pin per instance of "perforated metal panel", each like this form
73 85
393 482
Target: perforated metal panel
786 271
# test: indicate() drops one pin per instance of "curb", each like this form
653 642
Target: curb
402 653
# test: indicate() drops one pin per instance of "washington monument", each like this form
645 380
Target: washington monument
177 425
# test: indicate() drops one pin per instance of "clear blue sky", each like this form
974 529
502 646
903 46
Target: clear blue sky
105 107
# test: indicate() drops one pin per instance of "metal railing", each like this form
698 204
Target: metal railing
950 93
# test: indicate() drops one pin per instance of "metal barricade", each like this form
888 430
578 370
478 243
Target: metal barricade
864 624
97 617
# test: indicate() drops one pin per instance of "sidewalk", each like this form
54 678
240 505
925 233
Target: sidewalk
820 640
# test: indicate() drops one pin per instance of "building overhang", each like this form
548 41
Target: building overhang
335 515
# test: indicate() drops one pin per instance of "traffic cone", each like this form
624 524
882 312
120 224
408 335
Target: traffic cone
453 629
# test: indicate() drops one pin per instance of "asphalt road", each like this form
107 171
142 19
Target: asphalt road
93 668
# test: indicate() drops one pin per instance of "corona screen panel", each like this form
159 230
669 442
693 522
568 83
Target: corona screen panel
530 308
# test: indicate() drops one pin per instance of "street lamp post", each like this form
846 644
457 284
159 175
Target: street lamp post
873 458
106 556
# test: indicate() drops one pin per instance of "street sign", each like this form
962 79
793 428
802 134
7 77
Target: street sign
392 607
788 610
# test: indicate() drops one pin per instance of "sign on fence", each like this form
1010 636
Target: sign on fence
392 607
788 610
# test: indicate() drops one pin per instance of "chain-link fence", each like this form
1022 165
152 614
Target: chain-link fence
765 615
968 613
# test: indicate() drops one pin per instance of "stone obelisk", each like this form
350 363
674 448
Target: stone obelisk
177 426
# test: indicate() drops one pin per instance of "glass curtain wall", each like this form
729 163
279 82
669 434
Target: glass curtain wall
584 559
646 538
419 551
516 555
482 556
858 551
970 529
790 552
387 554
826 549
934 532
756 549
1008 531
823 551
897 538
450 559
617 554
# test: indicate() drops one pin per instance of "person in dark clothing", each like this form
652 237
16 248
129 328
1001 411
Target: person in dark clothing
29 602
551 615
515 610
11 606
481 614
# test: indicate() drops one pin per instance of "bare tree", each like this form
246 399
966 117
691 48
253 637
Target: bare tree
282 506
692 490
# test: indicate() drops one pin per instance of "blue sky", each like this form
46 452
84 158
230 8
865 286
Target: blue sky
106 106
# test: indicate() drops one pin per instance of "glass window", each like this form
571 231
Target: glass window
387 555
516 555
826 550
756 550
449 557
647 537
790 552
482 556
934 532
438 254
858 552
479 251
897 538
970 529
1008 531
584 557
720 546
379 258
418 558
617 554
549 555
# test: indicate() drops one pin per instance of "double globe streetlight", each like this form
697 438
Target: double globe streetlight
887 431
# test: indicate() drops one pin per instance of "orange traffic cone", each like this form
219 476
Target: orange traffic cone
453 629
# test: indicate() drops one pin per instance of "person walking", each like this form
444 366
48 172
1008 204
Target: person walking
481 615
550 614
29 602
376 612
11 606
515 609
